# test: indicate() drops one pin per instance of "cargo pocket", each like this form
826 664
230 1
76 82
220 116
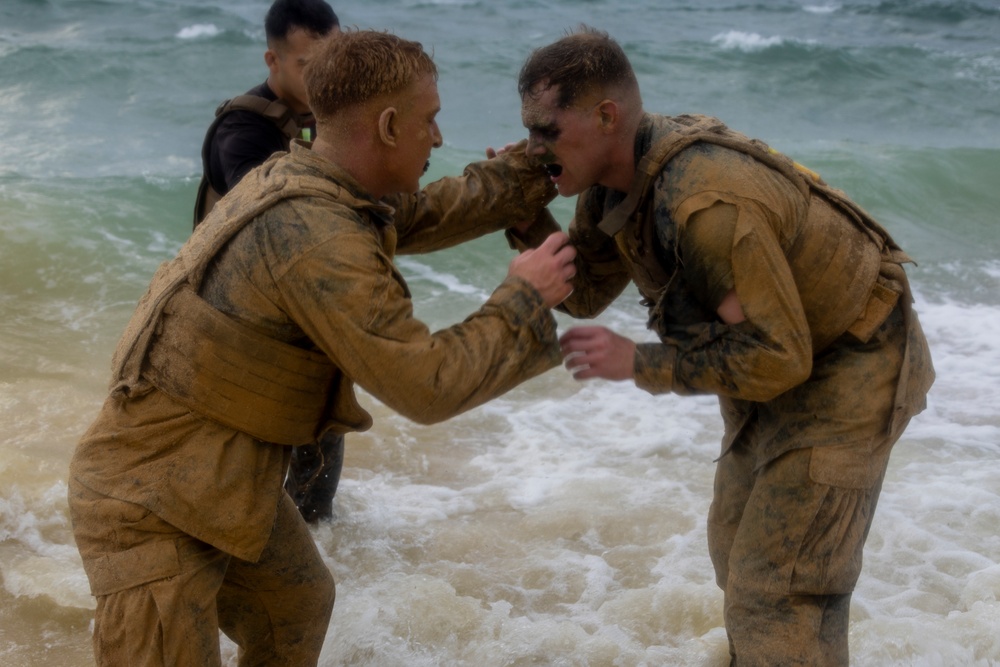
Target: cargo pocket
114 572
830 553
852 465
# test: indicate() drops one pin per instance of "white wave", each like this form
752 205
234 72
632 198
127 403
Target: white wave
418 270
34 559
746 41
966 354
198 30
983 68
821 9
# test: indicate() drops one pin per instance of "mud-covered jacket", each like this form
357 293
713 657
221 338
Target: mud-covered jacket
300 255
811 269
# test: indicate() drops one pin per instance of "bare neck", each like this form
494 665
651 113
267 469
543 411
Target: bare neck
280 93
621 162
354 155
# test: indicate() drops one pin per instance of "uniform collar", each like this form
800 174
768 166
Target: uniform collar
316 165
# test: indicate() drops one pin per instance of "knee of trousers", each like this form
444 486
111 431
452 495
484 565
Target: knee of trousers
325 592
799 536
316 596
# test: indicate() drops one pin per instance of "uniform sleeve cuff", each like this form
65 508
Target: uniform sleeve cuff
540 229
523 306
536 186
654 367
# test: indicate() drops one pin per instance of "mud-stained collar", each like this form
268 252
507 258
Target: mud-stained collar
318 166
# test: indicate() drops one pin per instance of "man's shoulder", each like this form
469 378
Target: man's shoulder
252 106
299 231
303 182
705 166
245 119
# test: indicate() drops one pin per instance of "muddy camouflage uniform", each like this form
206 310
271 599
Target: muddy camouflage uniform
814 387
248 343
246 131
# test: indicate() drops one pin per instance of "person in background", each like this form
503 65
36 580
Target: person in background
765 287
246 131
249 343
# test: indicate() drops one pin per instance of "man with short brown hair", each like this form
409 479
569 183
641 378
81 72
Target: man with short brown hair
765 287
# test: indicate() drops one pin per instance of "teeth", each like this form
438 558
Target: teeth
553 169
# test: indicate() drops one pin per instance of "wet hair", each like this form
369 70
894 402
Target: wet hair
580 62
314 16
362 65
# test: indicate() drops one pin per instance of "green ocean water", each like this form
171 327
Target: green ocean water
563 524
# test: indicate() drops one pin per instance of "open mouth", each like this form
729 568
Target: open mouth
553 169
427 165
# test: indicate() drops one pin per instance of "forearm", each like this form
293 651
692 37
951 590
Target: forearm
738 361
430 377
730 255
491 195
600 274
347 298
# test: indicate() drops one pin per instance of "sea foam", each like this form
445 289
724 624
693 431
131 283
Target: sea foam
198 30
746 41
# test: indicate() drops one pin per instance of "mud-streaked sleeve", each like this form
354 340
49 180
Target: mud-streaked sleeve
727 241
601 276
489 196
348 297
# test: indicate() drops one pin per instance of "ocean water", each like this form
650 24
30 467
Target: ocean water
563 524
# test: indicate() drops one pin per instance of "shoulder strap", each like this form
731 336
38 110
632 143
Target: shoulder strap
274 110
191 262
652 163
695 128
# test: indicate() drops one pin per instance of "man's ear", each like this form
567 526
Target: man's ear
609 114
387 126
271 60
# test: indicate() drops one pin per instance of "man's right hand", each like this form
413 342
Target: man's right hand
549 268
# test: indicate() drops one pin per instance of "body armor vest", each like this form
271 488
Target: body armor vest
219 367
274 110
842 238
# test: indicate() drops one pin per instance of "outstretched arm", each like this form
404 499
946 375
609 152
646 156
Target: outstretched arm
601 275
489 196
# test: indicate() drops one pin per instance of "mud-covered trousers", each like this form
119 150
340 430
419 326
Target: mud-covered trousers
786 538
163 596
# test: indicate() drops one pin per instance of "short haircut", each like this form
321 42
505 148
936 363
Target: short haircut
359 66
314 16
580 62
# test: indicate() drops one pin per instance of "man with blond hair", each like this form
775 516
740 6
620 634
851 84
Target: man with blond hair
249 343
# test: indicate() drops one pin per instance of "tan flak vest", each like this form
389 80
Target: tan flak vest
878 282
859 306
275 111
218 367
